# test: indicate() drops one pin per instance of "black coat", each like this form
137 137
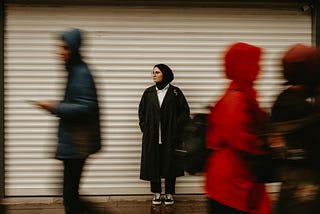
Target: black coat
292 105
300 188
173 114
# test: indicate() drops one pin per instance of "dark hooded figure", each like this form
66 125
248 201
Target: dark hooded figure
79 126
235 122
163 110
300 189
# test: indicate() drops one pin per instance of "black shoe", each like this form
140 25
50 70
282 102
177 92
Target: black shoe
169 199
156 199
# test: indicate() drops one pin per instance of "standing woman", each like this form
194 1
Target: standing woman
163 110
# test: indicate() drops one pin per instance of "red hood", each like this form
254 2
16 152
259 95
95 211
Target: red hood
242 62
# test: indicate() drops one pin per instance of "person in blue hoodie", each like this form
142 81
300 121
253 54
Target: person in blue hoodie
79 126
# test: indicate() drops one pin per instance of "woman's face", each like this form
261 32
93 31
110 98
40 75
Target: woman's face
157 75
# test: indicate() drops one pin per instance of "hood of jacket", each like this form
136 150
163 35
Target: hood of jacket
301 65
73 38
242 62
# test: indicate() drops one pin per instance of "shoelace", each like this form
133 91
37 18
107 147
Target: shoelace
169 197
157 196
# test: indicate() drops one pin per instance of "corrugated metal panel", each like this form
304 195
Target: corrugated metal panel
122 45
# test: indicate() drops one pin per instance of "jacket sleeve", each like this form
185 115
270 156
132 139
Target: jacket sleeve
82 102
141 112
183 109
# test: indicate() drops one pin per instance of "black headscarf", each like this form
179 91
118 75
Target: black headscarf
167 75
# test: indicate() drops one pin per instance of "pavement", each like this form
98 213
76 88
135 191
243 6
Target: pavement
184 204
135 204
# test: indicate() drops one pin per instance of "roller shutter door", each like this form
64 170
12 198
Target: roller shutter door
122 45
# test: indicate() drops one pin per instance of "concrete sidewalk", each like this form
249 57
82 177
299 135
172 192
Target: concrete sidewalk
184 204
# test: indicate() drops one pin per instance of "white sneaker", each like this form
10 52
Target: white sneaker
169 199
156 199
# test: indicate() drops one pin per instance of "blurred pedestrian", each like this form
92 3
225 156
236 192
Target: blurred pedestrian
300 189
234 124
163 110
79 127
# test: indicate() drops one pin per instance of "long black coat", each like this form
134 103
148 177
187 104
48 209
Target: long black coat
172 114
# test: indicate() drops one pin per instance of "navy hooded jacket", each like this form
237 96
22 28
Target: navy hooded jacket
79 126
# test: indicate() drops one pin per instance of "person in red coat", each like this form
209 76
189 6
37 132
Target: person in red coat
234 124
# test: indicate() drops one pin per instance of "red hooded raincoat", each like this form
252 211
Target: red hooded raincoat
234 123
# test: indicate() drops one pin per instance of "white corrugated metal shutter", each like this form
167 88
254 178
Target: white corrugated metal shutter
122 45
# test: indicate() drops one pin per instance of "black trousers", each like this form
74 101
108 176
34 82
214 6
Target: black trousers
170 184
71 180
218 208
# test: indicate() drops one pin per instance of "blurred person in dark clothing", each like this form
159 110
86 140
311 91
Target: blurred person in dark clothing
300 189
79 126
163 110
234 124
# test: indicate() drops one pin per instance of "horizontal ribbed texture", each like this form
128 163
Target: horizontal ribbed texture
122 45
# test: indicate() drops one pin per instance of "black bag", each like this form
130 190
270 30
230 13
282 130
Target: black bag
193 153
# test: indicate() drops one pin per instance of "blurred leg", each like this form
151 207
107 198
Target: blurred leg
72 174
218 208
